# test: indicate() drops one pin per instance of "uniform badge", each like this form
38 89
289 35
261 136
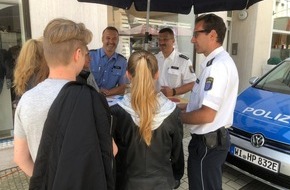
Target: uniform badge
174 67
191 69
208 84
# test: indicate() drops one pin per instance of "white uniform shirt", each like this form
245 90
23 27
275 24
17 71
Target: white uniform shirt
175 70
217 88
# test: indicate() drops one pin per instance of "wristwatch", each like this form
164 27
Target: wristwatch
173 91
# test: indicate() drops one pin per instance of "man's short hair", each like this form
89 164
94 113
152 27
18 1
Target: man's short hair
168 30
111 28
213 22
61 38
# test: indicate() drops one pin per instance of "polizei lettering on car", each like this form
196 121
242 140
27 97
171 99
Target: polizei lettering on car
268 114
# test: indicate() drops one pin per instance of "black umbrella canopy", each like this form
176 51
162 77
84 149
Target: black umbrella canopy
179 6
176 6
202 6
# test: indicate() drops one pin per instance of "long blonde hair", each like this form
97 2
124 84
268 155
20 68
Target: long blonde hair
143 68
31 67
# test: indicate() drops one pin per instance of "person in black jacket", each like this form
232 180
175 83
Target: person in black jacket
75 150
148 132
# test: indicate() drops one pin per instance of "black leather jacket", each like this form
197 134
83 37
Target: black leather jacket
142 167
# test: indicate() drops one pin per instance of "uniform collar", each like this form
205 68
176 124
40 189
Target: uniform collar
212 55
171 56
104 54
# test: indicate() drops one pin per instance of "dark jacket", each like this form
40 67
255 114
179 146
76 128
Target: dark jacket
139 166
75 150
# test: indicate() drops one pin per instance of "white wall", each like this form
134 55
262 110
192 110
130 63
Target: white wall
184 42
94 16
263 38
253 36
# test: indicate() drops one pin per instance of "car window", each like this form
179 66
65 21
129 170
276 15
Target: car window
278 80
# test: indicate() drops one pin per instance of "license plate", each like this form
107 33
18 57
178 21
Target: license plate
255 159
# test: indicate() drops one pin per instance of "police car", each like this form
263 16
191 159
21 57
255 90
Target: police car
260 134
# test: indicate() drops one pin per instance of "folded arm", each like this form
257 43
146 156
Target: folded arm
119 90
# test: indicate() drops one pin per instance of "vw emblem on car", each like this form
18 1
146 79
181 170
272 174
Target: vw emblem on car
257 140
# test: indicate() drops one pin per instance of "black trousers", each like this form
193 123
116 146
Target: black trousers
205 164
178 167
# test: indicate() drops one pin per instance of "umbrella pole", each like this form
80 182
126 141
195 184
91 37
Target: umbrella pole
147 26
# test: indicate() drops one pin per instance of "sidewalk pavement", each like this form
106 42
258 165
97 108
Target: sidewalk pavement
12 178
232 180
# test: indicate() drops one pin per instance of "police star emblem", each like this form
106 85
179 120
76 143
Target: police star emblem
208 84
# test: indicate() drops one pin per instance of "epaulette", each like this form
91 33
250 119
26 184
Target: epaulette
93 49
183 56
122 56
209 63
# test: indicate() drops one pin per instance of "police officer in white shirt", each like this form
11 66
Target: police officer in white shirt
210 109
176 71
176 77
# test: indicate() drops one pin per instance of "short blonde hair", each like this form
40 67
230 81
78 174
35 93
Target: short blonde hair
61 38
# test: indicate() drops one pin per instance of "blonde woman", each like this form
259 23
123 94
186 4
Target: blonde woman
148 131
31 67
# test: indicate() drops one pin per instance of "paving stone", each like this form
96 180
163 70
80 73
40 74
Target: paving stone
225 179
234 185
246 178
241 182
184 185
230 176
226 187
12 178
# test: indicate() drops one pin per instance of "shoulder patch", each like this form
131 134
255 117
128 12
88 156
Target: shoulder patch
208 84
122 56
183 56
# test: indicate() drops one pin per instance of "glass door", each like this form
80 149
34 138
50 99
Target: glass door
11 38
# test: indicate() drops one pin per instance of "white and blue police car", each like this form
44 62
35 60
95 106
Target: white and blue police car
260 134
